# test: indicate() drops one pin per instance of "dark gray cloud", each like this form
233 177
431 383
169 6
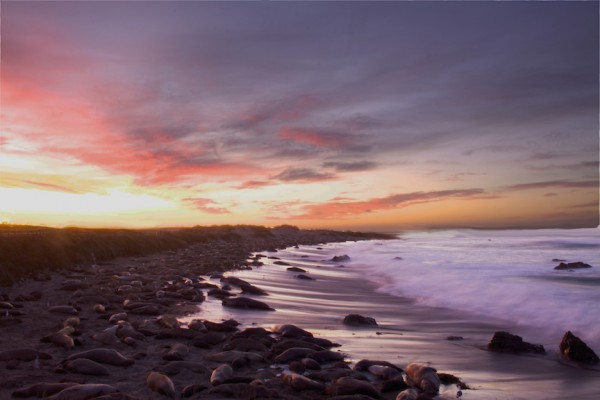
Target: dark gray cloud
352 166
555 184
303 175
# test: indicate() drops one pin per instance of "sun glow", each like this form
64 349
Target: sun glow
30 201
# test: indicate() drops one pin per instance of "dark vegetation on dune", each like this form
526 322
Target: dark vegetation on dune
28 250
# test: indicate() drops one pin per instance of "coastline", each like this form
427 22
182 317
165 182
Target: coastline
407 333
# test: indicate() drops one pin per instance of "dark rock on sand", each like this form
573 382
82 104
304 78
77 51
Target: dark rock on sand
573 265
505 342
359 320
251 289
343 258
575 349
295 269
246 303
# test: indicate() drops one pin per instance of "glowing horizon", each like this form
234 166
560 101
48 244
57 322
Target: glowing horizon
380 115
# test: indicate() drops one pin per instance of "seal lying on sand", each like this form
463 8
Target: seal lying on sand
221 374
423 377
161 384
84 392
104 356
42 390
23 355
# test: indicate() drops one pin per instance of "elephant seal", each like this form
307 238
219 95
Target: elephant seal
408 394
384 372
104 356
295 353
177 352
347 385
175 367
42 390
60 339
300 382
191 390
233 355
23 355
423 377
86 367
221 374
84 392
63 310
161 384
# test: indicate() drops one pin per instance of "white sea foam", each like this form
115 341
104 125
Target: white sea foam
505 275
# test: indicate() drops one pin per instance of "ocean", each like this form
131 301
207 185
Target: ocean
504 275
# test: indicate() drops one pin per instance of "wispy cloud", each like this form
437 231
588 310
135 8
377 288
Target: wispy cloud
341 209
303 175
206 205
565 184
353 166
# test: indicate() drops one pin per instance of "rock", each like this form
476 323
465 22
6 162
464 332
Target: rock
251 289
356 319
573 265
343 258
505 342
576 350
295 269
246 303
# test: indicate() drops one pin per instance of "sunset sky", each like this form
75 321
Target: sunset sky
380 115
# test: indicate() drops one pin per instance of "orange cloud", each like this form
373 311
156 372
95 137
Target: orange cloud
341 209
205 205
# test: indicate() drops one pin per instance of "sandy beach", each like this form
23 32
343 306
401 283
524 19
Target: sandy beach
160 294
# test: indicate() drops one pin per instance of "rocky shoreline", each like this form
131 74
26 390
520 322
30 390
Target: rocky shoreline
111 331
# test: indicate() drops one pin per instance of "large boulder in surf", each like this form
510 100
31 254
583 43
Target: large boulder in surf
576 350
574 265
505 342
359 320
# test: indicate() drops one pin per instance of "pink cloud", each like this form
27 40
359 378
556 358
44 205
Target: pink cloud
341 209
314 138
205 205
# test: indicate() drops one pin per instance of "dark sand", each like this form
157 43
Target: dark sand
407 333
